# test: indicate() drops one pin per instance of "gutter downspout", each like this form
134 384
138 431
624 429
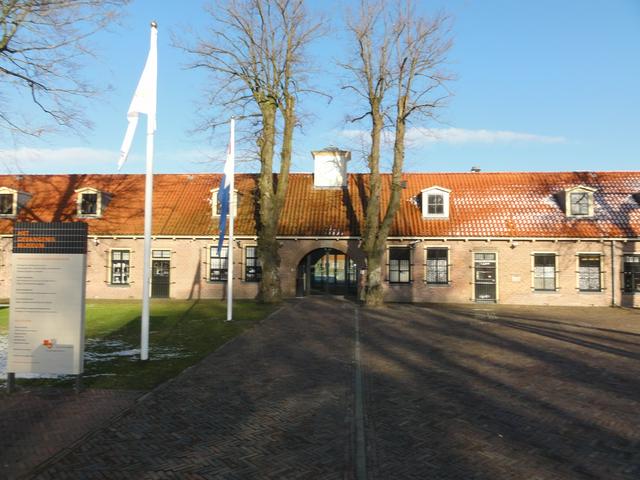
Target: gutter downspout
613 276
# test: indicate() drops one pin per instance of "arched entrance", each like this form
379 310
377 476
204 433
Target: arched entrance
326 271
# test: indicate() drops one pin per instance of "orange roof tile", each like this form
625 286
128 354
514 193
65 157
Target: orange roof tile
481 204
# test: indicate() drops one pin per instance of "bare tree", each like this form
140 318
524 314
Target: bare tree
255 54
43 45
397 73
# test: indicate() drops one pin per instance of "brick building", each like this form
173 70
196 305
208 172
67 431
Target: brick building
519 238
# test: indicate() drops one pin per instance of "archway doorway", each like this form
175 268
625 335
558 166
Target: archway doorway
326 271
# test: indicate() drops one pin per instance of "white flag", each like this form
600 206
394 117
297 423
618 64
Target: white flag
144 100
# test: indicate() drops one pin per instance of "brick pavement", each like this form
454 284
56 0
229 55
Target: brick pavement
38 423
274 403
450 392
492 392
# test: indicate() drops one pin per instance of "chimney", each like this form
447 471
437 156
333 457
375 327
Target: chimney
330 167
475 169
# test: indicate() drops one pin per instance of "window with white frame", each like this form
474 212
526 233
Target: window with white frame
218 264
589 273
120 267
399 265
579 202
631 273
88 204
437 265
11 201
435 202
215 204
91 202
544 272
252 268
7 204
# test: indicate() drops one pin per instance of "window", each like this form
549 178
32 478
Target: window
218 264
399 265
88 204
437 266
252 268
579 203
6 204
91 202
589 273
435 204
631 273
544 272
215 205
120 267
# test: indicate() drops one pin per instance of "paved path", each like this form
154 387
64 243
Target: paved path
447 393
275 403
483 392
38 423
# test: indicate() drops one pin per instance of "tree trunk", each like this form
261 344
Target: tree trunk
269 290
370 244
267 218
374 295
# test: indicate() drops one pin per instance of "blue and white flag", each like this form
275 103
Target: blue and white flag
225 190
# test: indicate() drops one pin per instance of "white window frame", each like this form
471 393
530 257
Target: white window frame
426 268
14 208
244 263
624 263
602 272
411 253
91 191
579 189
435 190
210 249
555 268
110 267
214 203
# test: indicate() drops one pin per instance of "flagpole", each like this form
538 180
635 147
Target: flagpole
148 221
232 154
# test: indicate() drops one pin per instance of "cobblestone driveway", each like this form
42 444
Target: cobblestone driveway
485 392
275 403
450 392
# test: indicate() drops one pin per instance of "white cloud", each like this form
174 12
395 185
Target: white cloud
90 160
420 136
57 159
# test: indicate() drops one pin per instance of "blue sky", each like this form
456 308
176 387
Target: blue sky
542 85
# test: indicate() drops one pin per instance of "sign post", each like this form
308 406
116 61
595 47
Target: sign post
47 309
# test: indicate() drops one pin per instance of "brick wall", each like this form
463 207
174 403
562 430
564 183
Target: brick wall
189 270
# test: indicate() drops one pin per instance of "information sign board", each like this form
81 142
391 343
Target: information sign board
46 313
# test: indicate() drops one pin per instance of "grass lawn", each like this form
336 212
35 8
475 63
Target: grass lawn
182 332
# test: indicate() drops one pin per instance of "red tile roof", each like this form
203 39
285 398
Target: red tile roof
481 204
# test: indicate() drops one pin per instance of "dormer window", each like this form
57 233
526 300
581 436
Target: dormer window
91 202
11 201
579 201
6 204
435 202
215 205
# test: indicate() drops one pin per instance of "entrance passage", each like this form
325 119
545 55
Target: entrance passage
326 271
